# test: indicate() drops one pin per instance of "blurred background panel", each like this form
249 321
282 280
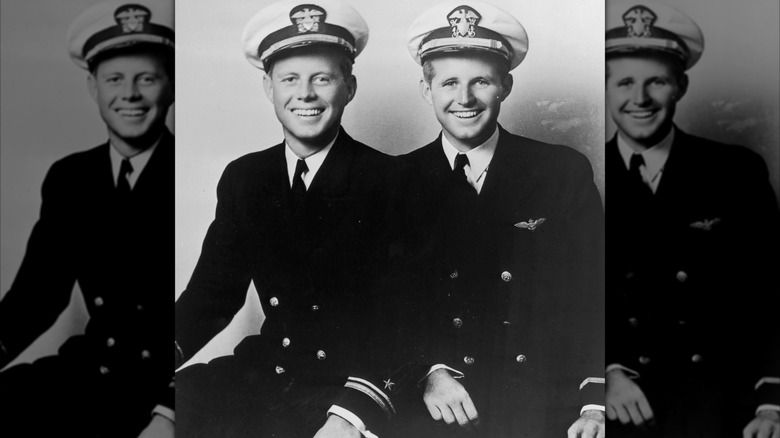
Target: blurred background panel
46 113
734 92
223 113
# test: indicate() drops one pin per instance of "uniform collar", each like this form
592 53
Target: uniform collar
137 161
655 157
313 161
479 157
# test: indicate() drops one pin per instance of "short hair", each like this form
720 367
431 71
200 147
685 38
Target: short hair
345 59
501 63
675 63
165 53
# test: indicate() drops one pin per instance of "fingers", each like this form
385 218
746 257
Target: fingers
636 416
433 410
447 415
471 411
623 416
644 409
611 413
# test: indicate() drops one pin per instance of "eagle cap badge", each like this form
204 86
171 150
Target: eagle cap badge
639 22
132 18
464 20
531 225
308 18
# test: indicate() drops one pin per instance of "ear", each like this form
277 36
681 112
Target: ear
425 91
92 87
268 86
351 87
506 87
682 87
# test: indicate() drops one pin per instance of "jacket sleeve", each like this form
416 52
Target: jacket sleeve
47 275
218 286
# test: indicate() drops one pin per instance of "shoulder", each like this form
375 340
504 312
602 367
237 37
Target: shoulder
79 165
547 156
256 161
717 156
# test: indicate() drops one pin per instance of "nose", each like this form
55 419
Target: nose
130 90
465 96
640 96
305 91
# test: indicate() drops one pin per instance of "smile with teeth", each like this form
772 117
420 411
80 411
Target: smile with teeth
131 112
466 114
308 112
641 114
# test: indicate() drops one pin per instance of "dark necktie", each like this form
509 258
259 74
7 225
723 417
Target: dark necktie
636 176
122 185
459 175
298 190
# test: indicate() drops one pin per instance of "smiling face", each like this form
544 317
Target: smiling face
466 91
133 93
642 94
310 87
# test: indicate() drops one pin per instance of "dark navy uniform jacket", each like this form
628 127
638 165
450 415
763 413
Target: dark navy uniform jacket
691 274
313 267
508 289
122 256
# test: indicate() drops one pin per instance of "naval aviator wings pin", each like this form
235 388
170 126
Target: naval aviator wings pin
531 224
706 224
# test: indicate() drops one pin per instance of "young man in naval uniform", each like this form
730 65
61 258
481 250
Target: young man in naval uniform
107 222
505 235
301 220
692 322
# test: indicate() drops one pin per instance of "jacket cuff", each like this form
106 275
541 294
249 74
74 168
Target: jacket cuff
367 402
351 419
768 391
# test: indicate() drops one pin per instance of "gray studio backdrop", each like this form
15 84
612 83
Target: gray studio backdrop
45 114
222 112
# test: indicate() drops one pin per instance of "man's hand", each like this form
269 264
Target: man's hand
589 425
159 427
626 401
765 425
337 427
448 400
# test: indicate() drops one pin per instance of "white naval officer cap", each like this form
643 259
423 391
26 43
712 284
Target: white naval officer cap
116 24
289 24
455 26
649 26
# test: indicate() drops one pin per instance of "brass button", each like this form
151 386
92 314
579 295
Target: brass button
696 358
104 370
274 301
315 308
454 274
506 276
286 342
321 355
139 307
457 323
682 276
633 321
279 370
110 342
629 275
468 360
98 301
506 323
644 360
145 354
520 358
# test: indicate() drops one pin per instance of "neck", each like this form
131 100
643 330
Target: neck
131 147
305 148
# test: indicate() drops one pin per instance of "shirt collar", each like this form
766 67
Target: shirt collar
138 161
655 157
479 157
313 161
